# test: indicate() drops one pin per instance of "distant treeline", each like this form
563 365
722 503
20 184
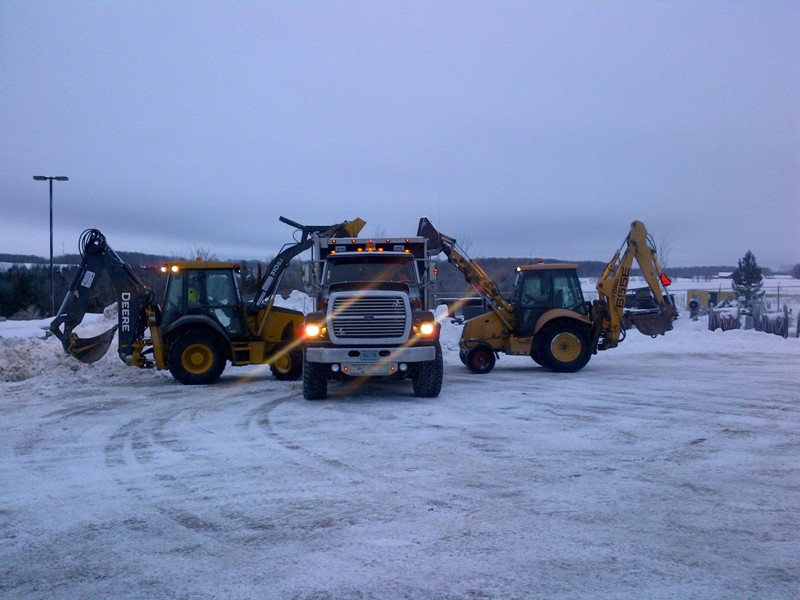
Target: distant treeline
132 258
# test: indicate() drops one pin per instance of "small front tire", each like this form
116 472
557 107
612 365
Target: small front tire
480 359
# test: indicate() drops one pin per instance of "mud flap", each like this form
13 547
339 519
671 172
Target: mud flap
91 349
652 324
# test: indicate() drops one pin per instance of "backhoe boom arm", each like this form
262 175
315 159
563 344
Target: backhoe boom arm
272 278
136 309
472 271
612 288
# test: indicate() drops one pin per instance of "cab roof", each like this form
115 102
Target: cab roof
203 264
547 266
356 254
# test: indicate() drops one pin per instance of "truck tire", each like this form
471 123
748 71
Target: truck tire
289 366
563 346
427 381
315 381
196 357
480 359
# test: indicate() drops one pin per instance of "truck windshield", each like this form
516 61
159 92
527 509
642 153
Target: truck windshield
371 267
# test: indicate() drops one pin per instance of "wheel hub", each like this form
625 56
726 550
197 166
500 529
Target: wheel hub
197 358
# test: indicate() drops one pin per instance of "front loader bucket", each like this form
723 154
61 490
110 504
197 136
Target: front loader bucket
91 349
652 324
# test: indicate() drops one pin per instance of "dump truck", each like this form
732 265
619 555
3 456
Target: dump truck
371 314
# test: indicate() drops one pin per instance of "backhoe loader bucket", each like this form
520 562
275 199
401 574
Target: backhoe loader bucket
427 230
91 349
652 324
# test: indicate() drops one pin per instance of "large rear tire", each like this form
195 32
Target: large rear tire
480 359
564 346
535 356
196 357
427 381
315 380
288 366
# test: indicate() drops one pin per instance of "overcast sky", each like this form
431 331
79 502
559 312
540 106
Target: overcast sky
522 128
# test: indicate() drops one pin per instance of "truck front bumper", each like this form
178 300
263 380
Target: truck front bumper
362 355
374 361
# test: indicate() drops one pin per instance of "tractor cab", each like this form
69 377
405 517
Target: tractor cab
542 287
200 290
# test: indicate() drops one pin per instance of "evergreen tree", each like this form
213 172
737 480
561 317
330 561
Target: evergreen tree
747 279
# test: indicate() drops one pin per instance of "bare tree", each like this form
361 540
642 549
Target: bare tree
202 253
663 249
465 243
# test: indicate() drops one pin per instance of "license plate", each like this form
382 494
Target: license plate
370 369
369 356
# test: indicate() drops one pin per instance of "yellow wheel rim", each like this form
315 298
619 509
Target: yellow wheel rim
566 347
197 359
283 363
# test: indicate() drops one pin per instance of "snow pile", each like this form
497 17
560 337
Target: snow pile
25 352
23 358
297 300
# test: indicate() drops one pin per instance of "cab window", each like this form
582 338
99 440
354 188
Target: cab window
567 291
173 298
222 295
375 269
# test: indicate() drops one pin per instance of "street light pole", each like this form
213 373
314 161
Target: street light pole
52 285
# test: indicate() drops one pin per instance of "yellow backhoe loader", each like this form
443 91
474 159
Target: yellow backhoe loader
546 316
203 322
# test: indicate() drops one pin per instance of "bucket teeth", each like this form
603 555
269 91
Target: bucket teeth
91 349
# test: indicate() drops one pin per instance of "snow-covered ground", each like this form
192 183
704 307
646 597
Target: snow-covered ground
667 468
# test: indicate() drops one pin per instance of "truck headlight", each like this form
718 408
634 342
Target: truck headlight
427 328
313 330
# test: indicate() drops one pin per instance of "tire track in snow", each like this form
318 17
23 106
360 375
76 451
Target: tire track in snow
305 456
143 453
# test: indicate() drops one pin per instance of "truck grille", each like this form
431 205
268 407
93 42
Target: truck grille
369 317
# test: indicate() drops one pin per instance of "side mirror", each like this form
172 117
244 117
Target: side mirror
309 276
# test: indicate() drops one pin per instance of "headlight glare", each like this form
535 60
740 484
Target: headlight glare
427 328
